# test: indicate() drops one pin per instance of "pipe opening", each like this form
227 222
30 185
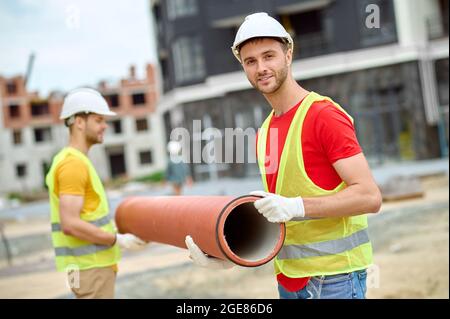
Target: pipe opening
249 235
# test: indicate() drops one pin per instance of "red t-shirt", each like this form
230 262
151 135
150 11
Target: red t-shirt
327 136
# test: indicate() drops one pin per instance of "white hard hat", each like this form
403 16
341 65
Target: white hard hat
174 147
259 25
84 100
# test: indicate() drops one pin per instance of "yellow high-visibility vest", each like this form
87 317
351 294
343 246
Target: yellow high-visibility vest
320 246
70 251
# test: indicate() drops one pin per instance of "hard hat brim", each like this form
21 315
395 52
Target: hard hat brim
107 113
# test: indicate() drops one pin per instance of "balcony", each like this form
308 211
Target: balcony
224 13
310 44
437 27
309 32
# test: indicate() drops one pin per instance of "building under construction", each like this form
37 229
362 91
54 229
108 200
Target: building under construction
31 132
391 76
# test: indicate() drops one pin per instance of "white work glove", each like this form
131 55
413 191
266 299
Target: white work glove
202 260
278 209
129 242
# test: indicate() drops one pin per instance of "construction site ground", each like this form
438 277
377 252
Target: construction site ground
411 254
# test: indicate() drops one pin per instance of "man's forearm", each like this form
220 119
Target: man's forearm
88 232
353 200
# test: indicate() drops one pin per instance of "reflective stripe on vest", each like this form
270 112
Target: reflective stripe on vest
313 246
299 219
324 248
80 251
99 223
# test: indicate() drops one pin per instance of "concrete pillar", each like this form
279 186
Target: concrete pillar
412 19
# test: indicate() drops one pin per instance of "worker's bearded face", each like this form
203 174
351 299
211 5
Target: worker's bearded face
265 64
95 129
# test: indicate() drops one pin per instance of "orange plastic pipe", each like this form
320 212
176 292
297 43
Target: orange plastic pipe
222 226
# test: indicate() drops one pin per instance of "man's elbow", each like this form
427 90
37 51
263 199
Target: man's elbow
374 201
67 228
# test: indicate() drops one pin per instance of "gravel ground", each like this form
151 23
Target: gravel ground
411 261
411 255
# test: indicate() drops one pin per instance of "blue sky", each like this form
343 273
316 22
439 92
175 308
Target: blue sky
76 42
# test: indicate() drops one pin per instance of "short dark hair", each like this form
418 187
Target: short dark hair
284 43
84 115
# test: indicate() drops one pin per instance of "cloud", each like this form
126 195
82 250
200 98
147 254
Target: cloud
75 43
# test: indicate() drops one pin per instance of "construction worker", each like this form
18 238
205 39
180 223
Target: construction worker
84 237
177 172
315 176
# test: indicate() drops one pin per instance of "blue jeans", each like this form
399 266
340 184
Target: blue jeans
342 286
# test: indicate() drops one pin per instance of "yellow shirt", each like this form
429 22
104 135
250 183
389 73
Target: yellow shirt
72 178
